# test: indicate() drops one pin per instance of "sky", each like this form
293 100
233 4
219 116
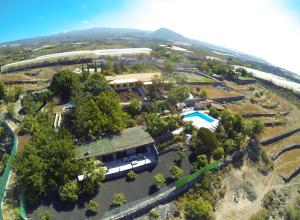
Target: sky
269 29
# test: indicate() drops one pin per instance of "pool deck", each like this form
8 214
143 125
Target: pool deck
200 122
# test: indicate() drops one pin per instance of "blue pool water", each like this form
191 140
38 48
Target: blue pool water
200 115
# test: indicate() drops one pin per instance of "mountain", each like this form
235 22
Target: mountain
166 34
96 34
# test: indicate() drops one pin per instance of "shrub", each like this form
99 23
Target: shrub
198 209
250 190
93 206
131 175
260 215
293 214
180 155
69 191
119 199
154 213
202 160
218 153
159 179
176 171
45 215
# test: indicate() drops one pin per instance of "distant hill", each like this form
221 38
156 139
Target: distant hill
96 34
166 34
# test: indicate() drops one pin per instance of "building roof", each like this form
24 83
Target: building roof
127 139
121 81
138 76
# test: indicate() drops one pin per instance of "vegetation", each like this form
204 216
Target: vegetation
2 90
205 142
45 215
37 167
94 116
198 209
176 172
93 206
119 199
159 180
157 126
154 213
63 83
131 175
177 93
33 102
69 191
135 107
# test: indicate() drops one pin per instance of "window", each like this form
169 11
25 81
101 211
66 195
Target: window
141 150
121 155
107 158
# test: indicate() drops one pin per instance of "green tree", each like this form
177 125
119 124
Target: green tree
96 84
69 191
201 160
119 199
154 124
94 174
39 168
96 115
169 66
198 209
32 124
159 180
11 110
176 171
63 82
2 91
205 142
178 94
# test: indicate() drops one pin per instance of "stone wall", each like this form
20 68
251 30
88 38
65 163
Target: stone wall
278 137
229 99
285 149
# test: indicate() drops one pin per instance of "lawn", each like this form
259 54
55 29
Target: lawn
196 78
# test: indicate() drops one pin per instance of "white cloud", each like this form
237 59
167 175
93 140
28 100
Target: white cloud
264 28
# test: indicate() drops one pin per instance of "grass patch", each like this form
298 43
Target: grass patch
199 79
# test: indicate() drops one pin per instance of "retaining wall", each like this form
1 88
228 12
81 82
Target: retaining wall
274 123
229 99
34 81
278 137
218 83
285 149
294 174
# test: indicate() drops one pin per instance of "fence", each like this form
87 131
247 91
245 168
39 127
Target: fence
5 178
181 182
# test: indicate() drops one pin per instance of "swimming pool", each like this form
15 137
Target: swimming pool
200 115
200 119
